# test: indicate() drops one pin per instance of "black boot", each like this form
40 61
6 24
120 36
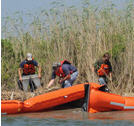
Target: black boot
104 88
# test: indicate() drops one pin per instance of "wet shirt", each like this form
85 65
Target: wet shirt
98 63
66 69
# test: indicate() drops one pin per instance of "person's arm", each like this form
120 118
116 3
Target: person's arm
19 72
50 83
20 69
52 79
66 72
39 71
110 72
93 70
95 67
65 78
110 75
39 67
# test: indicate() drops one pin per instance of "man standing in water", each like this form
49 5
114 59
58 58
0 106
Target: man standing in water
103 69
67 73
28 77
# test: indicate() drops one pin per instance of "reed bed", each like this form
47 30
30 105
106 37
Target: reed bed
80 36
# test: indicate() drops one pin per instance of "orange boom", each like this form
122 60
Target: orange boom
54 98
44 101
99 101
94 100
11 106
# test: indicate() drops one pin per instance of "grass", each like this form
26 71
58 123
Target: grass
80 36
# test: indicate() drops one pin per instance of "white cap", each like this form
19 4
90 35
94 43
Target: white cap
29 56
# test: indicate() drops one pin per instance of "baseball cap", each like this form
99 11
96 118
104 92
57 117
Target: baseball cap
29 56
56 65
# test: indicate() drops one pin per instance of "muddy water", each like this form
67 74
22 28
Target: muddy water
69 117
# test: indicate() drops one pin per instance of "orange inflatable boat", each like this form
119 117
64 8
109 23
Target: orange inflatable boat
99 101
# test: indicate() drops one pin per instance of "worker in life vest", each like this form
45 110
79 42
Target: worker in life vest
103 69
66 72
27 76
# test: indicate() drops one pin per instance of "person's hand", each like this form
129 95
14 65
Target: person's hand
20 78
47 87
60 81
39 75
110 79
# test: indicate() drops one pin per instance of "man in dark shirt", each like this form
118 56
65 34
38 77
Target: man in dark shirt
28 67
103 69
67 73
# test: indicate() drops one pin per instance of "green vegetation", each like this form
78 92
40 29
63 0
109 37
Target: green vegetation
80 36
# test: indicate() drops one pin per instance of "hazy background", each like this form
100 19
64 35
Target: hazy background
9 7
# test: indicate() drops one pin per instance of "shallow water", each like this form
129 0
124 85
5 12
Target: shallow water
69 117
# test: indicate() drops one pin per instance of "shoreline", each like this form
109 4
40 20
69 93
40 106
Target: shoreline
22 96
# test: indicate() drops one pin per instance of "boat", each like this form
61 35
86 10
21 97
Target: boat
99 101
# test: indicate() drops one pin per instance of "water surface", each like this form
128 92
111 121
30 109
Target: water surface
69 117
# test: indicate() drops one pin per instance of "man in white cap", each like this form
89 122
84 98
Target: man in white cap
28 77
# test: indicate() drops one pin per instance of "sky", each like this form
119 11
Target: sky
34 7
9 7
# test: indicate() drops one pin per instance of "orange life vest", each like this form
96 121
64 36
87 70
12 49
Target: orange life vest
29 68
60 72
104 70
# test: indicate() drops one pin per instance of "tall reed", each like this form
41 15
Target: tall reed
80 36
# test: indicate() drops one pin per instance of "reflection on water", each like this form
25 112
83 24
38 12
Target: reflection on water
69 117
